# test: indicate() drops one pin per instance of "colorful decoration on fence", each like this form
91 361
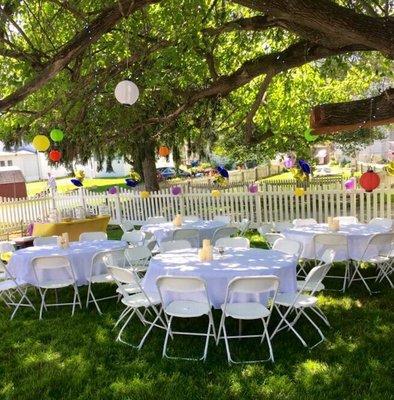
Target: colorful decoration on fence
298 192
288 162
309 137
41 143
220 181
55 155
222 171
389 168
253 188
298 174
144 194
164 151
350 184
112 190
369 180
215 193
131 182
176 190
305 167
126 92
56 135
76 182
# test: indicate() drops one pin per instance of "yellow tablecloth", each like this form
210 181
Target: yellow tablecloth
74 228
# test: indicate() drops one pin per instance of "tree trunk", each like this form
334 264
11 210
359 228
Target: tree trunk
149 168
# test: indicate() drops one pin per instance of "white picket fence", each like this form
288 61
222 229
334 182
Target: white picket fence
261 207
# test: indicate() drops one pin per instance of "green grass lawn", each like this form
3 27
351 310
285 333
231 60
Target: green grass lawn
77 358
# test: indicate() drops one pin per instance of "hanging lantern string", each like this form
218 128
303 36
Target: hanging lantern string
127 29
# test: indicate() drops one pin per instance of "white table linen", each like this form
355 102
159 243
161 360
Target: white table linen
358 237
80 255
218 272
165 231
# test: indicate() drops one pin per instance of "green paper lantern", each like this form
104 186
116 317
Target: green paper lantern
56 135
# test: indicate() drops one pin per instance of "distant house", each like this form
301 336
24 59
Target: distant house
12 183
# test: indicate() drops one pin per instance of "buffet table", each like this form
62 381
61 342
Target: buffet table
74 228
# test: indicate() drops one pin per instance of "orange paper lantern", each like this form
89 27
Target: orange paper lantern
55 155
164 151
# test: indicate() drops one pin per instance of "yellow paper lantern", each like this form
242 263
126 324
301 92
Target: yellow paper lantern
41 143
299 192
215 193
145 194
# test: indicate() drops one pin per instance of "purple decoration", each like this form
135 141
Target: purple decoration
350 184
222 171
253 188
29 229
176 190
288 162
112 190
305 167
131 182
76 182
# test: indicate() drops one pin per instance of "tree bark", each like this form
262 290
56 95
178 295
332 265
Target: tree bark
366 113
149 168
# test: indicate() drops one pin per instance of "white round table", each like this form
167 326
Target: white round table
218 272
358 236
80 255
164 231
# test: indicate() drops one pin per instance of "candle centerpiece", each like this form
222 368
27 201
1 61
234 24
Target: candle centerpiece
63 241
206 252
177 221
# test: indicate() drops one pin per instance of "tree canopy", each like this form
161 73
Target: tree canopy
241 76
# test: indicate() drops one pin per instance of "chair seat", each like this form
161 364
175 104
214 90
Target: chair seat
102 278
139 300
130 288
287 299
56 284
246 310
377 260
310 286
7 285
187 308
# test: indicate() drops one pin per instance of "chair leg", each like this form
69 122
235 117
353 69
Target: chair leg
321 315
42 293
266 334
316 327
164 354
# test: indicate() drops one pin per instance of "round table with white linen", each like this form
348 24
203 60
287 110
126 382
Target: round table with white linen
164 231
80 255
358 236
219 272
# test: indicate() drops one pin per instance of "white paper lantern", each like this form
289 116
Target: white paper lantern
126 92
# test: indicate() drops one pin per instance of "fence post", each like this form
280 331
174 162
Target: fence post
118 207
53 201
82 197
259 217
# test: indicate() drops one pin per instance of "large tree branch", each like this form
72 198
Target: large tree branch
366 113
334 21
106 20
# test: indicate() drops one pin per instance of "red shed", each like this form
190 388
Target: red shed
12 183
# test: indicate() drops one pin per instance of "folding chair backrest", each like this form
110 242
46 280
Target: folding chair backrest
171 245
235 242
126 226
222 218
97 265
315 276
271 238
133 237
223 232
265 228
191 218
156 220
47 265
244 225
348 220
6 247
334 241
386 223
254 284
288 246
281 226
328 256
191 235
115 258
45 241
91 236
304 222
381 243
138 254
123 276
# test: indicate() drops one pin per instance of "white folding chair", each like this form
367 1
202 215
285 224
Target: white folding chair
191 235
172 245
134 302
297 223
51 273
339 243
267 227
92 236
126 226
223 233
378 252
270 238
155 220
134 238
9 288
254 286
45 241
184 287
243 226
281 226
234 242
299 302
348 220
222 218
191 218
288 246
99 274
386 223
138 258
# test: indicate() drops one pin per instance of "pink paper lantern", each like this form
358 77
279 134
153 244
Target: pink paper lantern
112 190
288 162
253 188
176 190
350 184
